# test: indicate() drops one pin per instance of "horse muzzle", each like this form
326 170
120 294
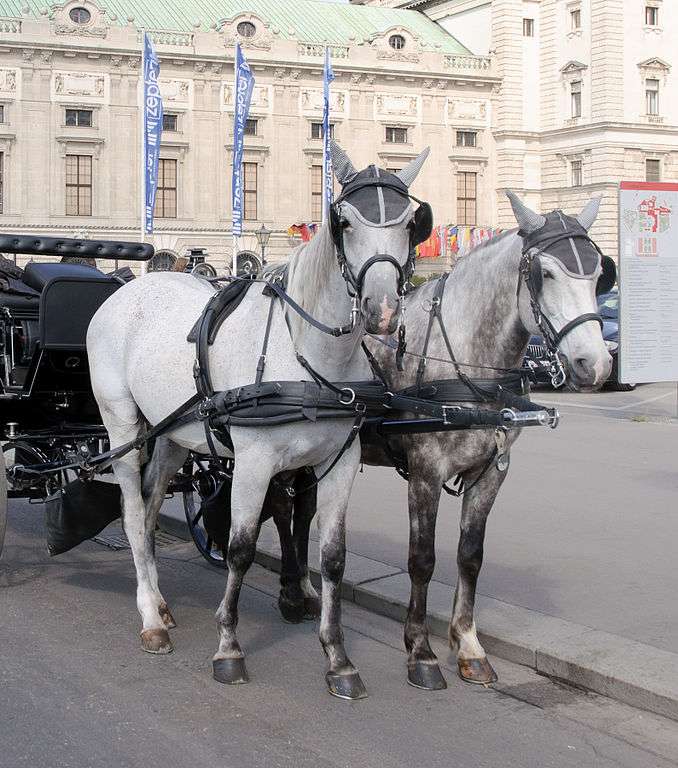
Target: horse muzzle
381 316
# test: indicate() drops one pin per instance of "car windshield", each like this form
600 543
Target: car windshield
608 305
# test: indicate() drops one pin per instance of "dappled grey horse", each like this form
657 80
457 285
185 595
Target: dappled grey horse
142 370
541 279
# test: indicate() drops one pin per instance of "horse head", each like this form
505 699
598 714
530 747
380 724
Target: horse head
375 230
562 270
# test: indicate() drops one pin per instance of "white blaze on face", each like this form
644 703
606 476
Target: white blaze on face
386 315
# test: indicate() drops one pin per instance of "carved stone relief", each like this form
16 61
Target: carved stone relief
396 105
67 85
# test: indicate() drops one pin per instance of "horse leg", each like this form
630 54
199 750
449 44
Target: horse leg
167 459
423 670
247 500
279 505
342 678
478 500
121 418
305 506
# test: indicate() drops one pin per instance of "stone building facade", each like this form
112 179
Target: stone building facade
69 115
586 99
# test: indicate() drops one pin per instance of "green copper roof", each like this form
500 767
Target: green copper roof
305 20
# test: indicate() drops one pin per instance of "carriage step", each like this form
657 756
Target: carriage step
114 538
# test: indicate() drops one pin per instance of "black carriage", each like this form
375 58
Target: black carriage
50 424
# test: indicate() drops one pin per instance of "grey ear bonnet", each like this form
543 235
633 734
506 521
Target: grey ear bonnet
566 241
376 206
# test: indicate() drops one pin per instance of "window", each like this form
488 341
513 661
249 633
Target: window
467 138
2 113
466 197
79 15
652 96
651 16
575 19
397 42
251 127
394 170
317 130
575 91
79 117
316 193
170 122
249 186
78 185
2 180
396 135
653 171
528 27
246 29
166 195
576 173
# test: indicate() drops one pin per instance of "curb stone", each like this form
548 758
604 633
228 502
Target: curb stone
636 674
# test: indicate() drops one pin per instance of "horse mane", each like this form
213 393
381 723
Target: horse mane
310 267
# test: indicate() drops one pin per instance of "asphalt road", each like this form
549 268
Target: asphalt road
76 691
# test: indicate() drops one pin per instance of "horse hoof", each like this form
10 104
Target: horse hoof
166 616
156 641
230 671
292 612
311 608
426 675
478 671
347 686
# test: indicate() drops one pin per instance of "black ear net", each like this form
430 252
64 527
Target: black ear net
608 276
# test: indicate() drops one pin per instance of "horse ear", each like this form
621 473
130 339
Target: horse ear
590 213
341 164
527 219
410 172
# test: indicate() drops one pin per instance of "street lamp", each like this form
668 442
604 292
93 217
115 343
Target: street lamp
263 235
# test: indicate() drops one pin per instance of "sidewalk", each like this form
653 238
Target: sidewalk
579 579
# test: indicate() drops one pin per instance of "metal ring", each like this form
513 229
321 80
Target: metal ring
351 394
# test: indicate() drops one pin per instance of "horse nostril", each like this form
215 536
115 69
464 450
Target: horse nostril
582 363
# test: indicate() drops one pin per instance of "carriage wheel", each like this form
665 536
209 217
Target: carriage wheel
3 500
204 481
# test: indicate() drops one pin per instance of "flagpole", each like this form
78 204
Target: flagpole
142 148
234 262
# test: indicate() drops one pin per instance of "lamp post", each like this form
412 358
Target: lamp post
263 235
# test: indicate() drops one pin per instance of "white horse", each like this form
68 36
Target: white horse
142 370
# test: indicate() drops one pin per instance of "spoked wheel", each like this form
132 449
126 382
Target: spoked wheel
3 500
207 505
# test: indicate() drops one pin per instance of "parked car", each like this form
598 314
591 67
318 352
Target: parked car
608 307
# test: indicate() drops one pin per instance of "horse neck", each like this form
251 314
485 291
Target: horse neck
315 282
480 308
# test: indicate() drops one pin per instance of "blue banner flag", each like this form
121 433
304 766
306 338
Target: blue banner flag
244 85
152 129
328 187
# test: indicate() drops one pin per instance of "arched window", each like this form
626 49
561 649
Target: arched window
397 42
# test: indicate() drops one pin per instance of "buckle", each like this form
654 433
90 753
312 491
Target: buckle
451 408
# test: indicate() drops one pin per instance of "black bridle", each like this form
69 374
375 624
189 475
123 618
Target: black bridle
531 274
420 230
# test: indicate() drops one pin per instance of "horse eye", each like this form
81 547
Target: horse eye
547 275
345 224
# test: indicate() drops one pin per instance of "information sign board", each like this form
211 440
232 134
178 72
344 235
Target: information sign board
648 279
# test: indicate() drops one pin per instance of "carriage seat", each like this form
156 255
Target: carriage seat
38 274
